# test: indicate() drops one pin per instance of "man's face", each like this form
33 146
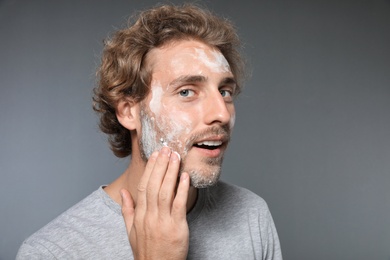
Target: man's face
189 108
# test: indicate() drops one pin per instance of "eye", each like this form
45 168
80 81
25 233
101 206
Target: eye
186 93
225 93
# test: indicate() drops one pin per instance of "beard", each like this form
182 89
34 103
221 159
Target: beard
202 175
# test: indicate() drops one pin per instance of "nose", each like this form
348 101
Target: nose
217 110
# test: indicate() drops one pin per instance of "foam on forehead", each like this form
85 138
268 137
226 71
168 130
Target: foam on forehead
194 58
216 63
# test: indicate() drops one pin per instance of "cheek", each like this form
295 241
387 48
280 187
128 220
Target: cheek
180 123
175 127
232 120
156 96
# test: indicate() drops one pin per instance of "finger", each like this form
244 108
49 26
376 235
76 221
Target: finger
143 183
127 209
156 179
167 190
179 209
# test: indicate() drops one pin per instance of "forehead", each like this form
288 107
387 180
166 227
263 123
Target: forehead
187 56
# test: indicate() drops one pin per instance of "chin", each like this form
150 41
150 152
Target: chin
203 173
201 178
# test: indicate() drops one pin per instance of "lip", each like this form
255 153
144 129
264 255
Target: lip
208 153
213 153
222 138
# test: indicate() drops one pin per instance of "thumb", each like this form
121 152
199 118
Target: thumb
127 209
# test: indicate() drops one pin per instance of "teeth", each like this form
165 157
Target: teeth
210 143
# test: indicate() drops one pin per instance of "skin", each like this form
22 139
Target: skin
191 101
177 95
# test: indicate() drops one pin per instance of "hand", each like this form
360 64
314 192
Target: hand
157 226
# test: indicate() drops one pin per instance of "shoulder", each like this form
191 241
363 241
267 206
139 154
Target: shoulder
235 195
236 201
49 241
238 220
251 211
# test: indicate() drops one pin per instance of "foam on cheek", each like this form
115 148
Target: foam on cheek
176 129
232 121
217 63
171 124
164 128
163 142
155 101
149 136
174 126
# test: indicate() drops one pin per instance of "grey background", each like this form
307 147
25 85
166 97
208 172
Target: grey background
311 137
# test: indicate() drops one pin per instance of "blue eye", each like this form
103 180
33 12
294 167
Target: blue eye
186 93
225 93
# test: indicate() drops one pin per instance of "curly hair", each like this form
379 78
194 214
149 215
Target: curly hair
122 72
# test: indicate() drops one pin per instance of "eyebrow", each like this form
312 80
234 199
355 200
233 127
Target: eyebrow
228 81
185 79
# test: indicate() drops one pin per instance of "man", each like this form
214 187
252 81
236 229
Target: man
165 97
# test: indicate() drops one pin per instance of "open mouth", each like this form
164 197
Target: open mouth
210 145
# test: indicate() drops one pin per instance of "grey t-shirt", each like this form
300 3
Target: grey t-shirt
227 222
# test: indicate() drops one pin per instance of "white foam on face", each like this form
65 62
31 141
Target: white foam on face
216 63
162 127
232 120
167 124
163 142
164 131
155 101
149 135
175 125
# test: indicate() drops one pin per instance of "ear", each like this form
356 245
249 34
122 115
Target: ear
127 113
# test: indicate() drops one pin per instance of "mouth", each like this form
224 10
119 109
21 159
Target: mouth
209 145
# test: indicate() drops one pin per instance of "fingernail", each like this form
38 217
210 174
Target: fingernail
178 155
175 156
166 150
